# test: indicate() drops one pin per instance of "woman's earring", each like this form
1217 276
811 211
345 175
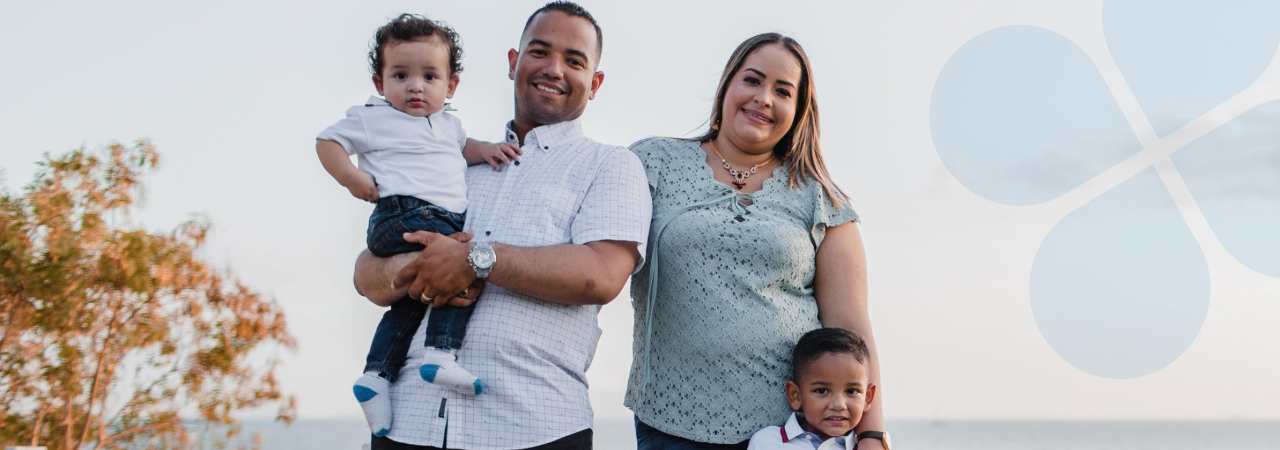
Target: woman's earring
715 126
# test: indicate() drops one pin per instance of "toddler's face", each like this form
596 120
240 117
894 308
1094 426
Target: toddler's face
832 394
415 77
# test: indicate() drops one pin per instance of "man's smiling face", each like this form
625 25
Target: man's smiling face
555 69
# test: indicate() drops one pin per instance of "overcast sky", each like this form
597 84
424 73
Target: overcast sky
233 93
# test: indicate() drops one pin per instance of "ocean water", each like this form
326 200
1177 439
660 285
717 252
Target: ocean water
619 434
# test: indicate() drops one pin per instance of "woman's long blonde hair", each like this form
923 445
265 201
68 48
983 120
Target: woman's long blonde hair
799 148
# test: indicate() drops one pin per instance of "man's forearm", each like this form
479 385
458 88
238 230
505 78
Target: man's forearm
373 277
570 274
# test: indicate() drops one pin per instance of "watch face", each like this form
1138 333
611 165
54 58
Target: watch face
484 259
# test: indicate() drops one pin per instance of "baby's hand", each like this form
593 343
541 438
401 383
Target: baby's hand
361 186
501 153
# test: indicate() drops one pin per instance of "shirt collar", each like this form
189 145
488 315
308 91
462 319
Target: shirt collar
379 101
549 137
793 430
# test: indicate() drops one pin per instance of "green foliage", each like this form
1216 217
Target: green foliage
109 334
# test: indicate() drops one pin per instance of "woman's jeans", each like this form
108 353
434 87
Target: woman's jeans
649 438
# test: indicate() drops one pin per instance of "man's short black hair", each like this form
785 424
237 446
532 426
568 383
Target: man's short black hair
572 9
409 27
819 342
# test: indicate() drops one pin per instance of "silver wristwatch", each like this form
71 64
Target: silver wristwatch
482 259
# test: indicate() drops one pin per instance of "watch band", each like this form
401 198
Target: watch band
883 436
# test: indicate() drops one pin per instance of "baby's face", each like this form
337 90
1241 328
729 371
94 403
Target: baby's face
832 393
415 76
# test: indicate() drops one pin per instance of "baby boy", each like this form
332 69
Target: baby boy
412 157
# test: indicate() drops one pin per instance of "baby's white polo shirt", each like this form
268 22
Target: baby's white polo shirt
791 437
407 155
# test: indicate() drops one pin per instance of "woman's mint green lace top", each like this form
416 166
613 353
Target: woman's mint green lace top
733 293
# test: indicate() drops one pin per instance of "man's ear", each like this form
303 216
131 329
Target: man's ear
793 395
377 84
512 57
596 81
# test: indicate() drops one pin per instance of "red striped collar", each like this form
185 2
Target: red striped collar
792 428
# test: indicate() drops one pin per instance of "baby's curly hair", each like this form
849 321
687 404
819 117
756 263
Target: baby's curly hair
408 27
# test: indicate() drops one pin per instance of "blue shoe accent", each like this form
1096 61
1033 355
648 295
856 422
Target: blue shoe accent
428 372
363 394
479 384
382 433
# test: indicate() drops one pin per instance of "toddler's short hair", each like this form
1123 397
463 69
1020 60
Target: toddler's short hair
408 27
822 341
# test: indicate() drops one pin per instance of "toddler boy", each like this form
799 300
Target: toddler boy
829 389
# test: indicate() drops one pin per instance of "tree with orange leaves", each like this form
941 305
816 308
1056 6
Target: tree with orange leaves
111 335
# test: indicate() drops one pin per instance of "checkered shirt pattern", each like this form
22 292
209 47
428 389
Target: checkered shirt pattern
532 354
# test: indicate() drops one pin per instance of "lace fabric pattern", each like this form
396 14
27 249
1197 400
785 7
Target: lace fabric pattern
734 292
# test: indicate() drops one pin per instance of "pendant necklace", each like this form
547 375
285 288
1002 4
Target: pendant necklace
739 176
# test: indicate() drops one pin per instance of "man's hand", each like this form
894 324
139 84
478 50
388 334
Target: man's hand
498 154
362 186
464 299
441 271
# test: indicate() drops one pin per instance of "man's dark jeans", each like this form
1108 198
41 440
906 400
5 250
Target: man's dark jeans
576 441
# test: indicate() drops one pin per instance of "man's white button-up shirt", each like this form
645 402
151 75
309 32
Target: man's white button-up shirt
532 354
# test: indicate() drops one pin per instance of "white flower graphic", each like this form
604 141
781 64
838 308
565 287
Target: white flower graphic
1020 115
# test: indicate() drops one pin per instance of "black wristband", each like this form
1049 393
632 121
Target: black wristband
881 435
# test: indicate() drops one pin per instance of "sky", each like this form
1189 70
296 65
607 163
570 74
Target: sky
232 94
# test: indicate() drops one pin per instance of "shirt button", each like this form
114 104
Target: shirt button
517 162
486 233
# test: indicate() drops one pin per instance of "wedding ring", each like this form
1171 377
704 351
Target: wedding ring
424 297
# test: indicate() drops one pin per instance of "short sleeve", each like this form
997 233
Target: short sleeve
617 206
459 131
826 215
349 132
651 154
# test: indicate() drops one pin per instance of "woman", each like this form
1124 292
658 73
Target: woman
751 245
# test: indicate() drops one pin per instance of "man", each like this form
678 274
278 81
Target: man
555 236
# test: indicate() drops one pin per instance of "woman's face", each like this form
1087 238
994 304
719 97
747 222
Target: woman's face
760 104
